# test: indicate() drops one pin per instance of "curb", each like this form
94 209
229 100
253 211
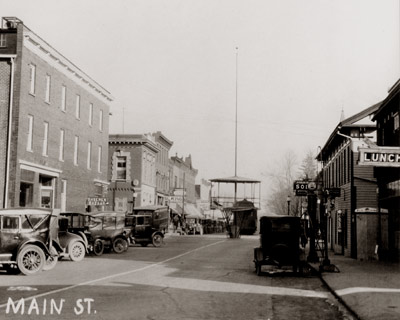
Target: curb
333 292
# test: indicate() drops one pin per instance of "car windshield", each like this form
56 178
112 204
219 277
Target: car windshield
32 221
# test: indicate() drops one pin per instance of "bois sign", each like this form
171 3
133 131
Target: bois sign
301 188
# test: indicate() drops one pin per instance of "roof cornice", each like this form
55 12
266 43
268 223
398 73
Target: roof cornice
45 51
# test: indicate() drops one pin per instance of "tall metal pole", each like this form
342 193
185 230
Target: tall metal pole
236 118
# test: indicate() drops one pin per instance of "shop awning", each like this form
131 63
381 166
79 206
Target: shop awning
190 211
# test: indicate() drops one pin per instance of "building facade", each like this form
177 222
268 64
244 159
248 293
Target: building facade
53 126
385 159
131 171
349 201
162 168
183 177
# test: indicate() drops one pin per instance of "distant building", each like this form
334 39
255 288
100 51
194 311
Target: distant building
132 171
54 123
162 168
182 186
350 188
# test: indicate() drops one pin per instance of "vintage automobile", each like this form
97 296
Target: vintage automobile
71 245
279 243
149 224
26 239
107 230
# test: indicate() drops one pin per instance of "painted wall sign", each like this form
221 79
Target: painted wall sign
379 157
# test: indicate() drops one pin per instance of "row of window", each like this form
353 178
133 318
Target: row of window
45 147
63 105
338 172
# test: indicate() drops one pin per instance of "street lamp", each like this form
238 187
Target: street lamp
288 205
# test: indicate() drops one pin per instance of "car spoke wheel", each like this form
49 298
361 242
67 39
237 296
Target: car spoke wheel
51 260
31 259
98 247
120 245
76 251
157 240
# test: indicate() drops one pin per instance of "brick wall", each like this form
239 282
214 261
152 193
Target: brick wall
80 179
5 72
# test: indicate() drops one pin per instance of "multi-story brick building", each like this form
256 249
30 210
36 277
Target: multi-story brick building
162 167
132 171
351 223
53 125
183 186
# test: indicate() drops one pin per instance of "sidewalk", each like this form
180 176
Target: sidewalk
370 289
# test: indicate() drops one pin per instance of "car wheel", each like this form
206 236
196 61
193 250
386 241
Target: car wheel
98 247
76 251
119 245
157 240
51 260
31 259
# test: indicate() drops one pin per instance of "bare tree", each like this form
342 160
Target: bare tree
309 166
282 177
281 181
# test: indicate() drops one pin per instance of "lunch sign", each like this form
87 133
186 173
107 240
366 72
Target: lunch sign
379 157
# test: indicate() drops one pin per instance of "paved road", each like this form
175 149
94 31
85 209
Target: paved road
191 277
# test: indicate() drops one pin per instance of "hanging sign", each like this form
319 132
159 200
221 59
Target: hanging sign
379 157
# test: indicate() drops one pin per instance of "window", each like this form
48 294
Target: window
101 121
121 168
89 155
62 138
2 40
10 222
396 121
76 148
78 106
32 79
29 146
91 114
48 85
46 139
64 98
100 152
26 194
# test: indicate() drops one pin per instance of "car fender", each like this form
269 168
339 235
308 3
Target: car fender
69 238
40 244
56 245
157 232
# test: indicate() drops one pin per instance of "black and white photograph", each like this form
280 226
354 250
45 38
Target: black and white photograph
200 159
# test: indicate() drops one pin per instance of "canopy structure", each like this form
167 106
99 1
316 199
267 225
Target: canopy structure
239 199
235 179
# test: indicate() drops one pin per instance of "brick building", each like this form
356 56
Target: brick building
132 171
53 125
183 186
162 168
351 222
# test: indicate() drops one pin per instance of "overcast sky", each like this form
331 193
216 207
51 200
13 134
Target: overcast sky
171 66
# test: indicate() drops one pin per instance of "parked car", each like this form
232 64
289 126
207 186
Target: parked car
279 243
71 245
107 230
149 224
26 239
